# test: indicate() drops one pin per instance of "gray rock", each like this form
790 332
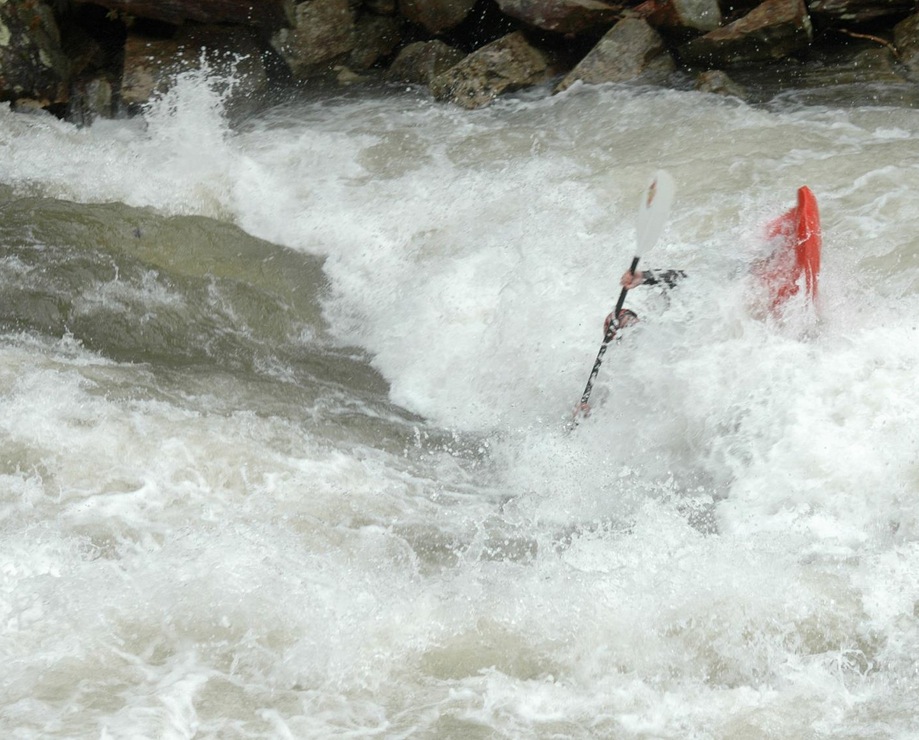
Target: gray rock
436 16
858 11
32 64
906 40
874 64
376 37
89 100
324 31
421 62
507 64
718 82
630 50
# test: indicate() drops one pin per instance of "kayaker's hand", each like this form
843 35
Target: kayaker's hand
630 281
626 318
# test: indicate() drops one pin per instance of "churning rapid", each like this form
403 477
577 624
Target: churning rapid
283 406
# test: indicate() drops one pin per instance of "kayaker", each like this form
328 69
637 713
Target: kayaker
667 278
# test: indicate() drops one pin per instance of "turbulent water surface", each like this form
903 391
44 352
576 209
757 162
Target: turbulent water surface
283 405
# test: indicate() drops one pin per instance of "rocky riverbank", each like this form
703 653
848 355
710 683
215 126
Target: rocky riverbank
81 59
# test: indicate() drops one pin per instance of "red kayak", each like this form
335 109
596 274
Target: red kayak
796 258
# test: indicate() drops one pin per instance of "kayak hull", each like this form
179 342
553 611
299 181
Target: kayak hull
795 262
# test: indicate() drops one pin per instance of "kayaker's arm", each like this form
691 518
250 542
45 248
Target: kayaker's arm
667 278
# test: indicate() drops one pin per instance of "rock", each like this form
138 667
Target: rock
858 66
324 30
376 37
32 64
91 94
381 7
85 53
563 16
717 82
147 66
507 64
771 31
681 18
906 41
630 50
234 55
421 62
436 16
269 14
90 99
858 11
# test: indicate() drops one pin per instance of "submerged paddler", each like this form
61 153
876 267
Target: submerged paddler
652 212
630 280
627 317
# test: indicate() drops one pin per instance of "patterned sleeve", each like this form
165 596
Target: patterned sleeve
669 278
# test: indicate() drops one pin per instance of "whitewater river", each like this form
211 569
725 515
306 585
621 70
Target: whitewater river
283 405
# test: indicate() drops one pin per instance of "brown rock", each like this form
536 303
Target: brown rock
151 65
563 16
269 14
630 50
436 16
147 66
681 18
507 64
421 62
771 31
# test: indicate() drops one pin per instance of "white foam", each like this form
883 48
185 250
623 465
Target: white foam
724 548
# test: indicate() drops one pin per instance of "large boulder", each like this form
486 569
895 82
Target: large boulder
269 14
563 16
436 16
630 50
32 64
233 54
422 61
771 31
324 31
510 63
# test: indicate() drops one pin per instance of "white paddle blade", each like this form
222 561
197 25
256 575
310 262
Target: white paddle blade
654 209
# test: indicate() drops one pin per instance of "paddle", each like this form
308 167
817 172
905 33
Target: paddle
652 213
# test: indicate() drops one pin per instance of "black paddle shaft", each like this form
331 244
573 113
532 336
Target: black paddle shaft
608 337
624 291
